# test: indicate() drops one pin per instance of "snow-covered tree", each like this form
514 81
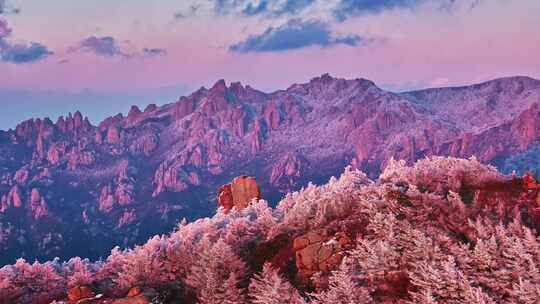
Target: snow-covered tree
78 272
30 283
215 264
344 287
269 287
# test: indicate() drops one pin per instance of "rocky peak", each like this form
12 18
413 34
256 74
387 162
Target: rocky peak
133 115
134 111
26 128
220 87
237 86
111 121
246 93
325 78
77 120
150 108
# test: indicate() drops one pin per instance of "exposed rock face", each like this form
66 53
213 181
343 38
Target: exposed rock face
12 199
288 170
137 175
79 293
113 135
319 251
37 204
56 151
238 193
225 198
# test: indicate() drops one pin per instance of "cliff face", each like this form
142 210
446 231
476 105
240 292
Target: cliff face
66 184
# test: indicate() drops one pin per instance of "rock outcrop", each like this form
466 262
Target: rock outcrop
238 194
320 251
80 293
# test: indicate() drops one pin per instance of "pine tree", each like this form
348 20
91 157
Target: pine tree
344 288
215 263
233 294
78 272
268 287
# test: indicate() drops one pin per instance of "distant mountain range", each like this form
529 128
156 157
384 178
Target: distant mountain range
69 188
19 105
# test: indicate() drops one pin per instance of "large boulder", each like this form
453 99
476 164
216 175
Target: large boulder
319 251
78 293
239 193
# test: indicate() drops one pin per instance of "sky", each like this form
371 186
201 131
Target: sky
102 56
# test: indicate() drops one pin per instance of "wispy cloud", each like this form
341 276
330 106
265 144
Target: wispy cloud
18 53
23 53
295 34
269 8
5 30
351 8
109 47
338 9
192 11
154 51
106 46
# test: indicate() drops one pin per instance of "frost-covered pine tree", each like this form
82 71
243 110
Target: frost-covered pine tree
233 294
268 287
78 272
210 272
344 287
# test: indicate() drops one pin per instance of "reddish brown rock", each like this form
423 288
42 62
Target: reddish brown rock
98 137
255 143
37 204
527 126
40 147
133 115
113 135
77 120
134 291
319 251
12 199
77 157
225 198
150 108
272 116
55 153
287 170
127 217
124 193
170 178
106 199
150 143
78 293
26 128
184 107
239 193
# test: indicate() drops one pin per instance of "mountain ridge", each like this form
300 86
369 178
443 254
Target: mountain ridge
70 182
